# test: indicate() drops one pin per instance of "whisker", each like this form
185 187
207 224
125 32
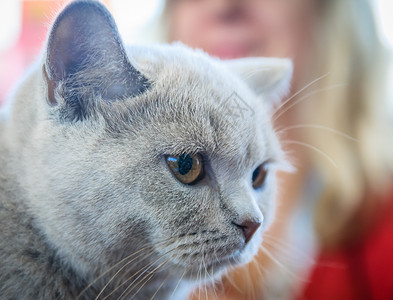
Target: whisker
313 148
276 117
231 281
298 92
117 264
107 271
206 273
218 287
199 279
278 263
144 269
253 296
204 264
260 270
213 286
151 273
317 126
125 265
281 245
160 286
178 283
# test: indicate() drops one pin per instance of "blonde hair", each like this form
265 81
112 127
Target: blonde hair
349 51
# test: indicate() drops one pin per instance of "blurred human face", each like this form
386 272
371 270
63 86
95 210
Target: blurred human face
238 28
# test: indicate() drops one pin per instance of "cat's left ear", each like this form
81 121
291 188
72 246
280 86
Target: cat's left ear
270 77
86 59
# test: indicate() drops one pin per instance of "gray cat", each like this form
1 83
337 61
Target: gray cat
133 172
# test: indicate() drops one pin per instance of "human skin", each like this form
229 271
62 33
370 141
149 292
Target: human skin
233 28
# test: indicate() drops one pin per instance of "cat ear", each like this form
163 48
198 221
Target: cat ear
86 60
269 77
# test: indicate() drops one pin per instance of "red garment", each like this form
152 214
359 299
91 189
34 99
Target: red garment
364 271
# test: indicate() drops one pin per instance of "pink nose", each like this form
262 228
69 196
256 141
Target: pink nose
249 228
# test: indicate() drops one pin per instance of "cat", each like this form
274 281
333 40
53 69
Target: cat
133 172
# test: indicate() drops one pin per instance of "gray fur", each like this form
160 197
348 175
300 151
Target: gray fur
78 196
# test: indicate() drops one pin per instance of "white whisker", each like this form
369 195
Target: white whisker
213 286
111 268
120 262
199 279
122 268
313 148
144 269
298 92
278 263
206 273
253 296
178 283
230 279
145 279
317 126
282 245
276 117
160 286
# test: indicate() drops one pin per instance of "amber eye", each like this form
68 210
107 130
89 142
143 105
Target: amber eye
188 169
259 176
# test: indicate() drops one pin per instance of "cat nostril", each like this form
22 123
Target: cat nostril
249 228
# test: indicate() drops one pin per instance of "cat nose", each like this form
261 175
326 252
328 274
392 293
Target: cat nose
248 227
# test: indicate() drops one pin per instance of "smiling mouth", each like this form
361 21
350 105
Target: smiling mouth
230 49
228 53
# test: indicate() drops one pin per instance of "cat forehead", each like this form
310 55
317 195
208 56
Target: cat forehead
177 64
196 105
184 74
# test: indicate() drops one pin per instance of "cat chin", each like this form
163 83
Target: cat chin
252 248
206 271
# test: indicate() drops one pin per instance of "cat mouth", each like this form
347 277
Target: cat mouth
204 252
208 260
204 268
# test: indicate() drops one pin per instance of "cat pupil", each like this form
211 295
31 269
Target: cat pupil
256 173
185 164
259 176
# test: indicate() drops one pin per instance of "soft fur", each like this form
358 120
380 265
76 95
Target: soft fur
80 192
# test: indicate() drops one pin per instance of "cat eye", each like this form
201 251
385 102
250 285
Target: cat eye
188 169
259 175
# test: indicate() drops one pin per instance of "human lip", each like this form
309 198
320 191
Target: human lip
229 51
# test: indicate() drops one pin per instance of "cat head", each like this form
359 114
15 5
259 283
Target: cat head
161 147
